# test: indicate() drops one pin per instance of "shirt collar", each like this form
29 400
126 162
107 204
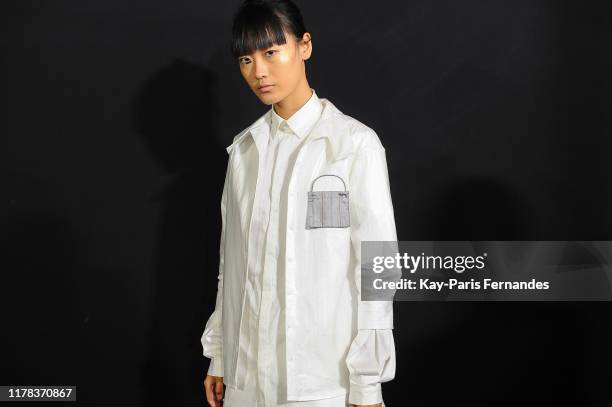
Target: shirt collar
302 121
331 126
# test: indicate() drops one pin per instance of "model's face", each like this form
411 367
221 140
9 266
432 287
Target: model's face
280 67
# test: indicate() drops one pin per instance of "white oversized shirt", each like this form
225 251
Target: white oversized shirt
262 348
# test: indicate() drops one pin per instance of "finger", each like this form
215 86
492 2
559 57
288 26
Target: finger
210 396
219 390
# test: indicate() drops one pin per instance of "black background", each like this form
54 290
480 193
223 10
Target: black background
114 118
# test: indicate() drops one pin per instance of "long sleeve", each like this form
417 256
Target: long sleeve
212 338
370 361
372 219
371 357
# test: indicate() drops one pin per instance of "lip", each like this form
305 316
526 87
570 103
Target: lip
265 88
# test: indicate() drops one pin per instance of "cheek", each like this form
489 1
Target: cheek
288 69
245 72
285 59
289 64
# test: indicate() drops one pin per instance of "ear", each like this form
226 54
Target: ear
306 46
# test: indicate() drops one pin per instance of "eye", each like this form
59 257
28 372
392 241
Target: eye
271 52
244 60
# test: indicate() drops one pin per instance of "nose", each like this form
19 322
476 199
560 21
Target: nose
261 70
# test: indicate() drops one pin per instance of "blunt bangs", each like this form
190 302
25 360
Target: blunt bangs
258 28
259 24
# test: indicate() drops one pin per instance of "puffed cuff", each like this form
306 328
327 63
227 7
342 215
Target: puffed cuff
216 367
370 361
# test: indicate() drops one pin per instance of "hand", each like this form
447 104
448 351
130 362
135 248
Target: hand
213 386
364 405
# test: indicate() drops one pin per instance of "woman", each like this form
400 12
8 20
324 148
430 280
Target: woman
305 184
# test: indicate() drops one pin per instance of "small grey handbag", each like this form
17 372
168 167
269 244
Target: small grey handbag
327 209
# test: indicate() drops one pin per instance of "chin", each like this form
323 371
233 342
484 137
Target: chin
268 99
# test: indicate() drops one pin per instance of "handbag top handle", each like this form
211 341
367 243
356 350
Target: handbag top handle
327 175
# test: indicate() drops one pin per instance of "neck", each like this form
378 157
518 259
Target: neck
292 103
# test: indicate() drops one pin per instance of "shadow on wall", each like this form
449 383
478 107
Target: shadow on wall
175 115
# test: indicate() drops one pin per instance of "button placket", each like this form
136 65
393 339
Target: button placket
266 347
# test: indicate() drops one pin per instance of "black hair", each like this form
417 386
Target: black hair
259 24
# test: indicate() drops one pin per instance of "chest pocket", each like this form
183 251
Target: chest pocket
327 209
